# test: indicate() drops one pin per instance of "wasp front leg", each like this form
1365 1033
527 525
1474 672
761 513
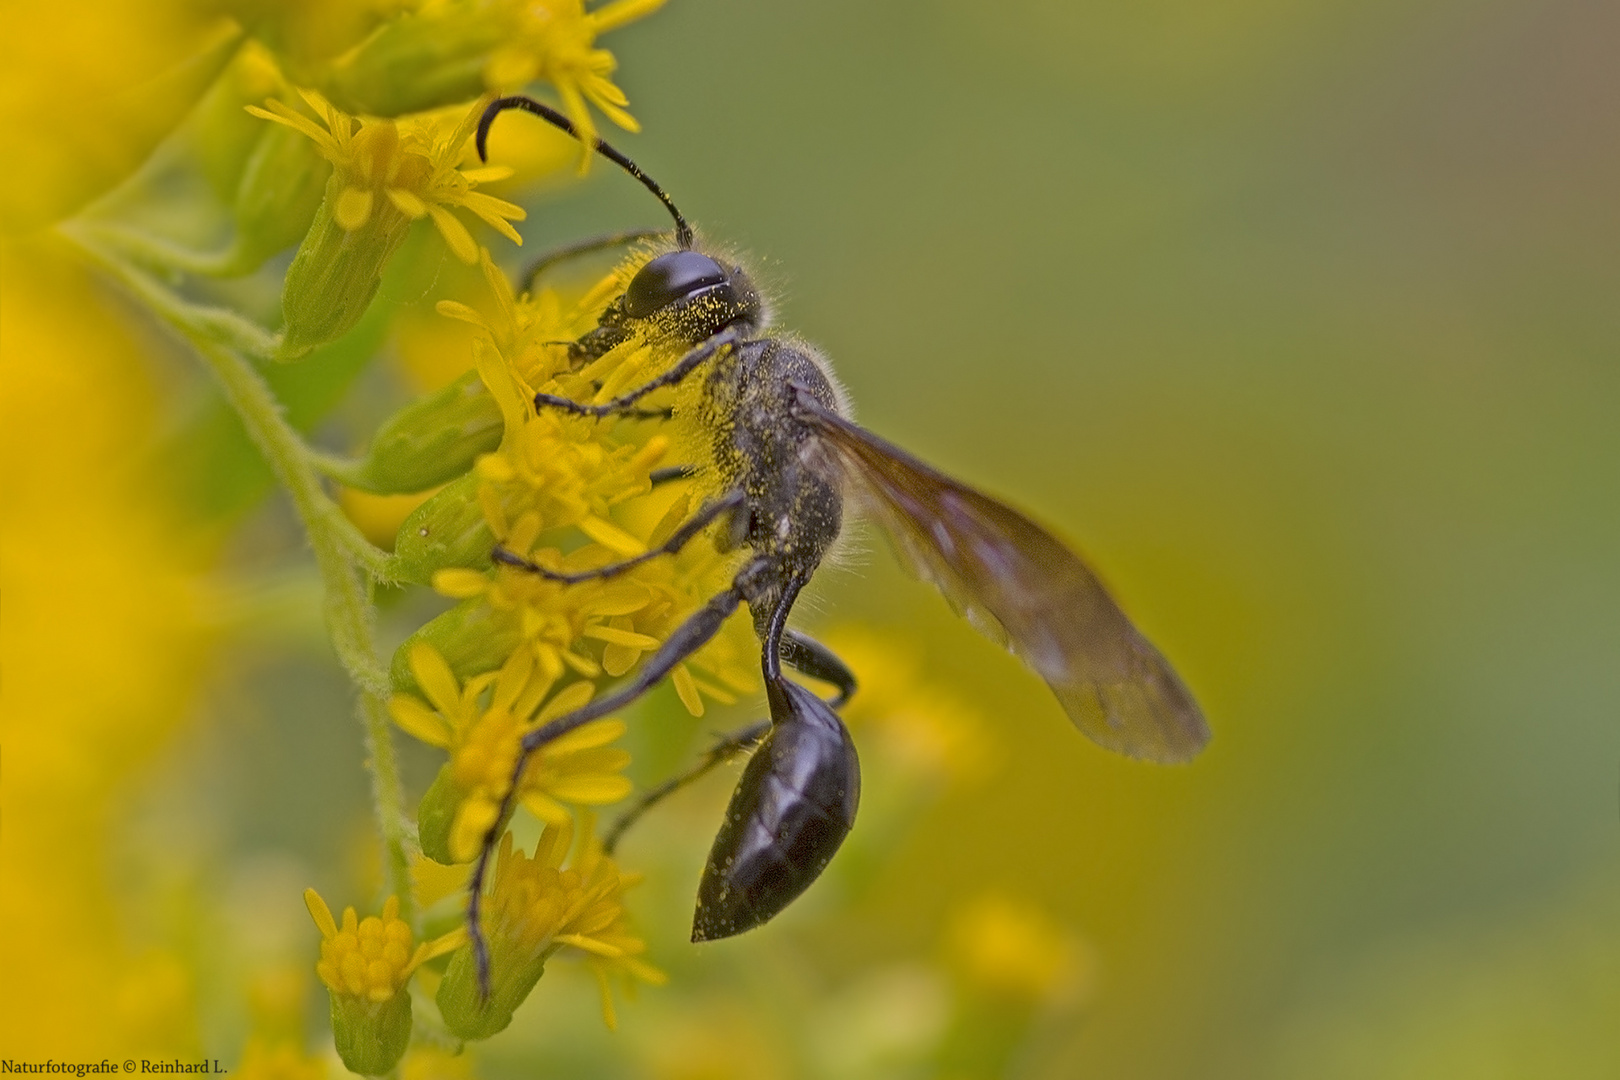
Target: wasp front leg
626 402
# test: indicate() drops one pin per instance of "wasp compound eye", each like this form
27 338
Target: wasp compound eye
675 278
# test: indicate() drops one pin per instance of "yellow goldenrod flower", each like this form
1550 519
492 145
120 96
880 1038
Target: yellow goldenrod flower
483 740
370 957
386 174
364 964
556 42
535 907
452 50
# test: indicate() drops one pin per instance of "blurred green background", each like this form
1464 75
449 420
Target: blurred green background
1300 319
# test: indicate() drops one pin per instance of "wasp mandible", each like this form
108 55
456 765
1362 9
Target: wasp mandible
788 460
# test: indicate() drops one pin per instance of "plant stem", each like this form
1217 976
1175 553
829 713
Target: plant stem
345 559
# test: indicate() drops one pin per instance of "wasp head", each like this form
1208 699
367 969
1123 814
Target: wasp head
694 295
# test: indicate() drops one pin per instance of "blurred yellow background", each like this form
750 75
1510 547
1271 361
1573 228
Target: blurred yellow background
1299 319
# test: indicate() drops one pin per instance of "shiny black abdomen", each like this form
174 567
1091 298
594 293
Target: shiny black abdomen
792 809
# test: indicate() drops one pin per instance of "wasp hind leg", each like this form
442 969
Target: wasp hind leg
726 748
808 656
689 637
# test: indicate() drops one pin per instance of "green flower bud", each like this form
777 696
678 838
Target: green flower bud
471 637
337 271
371 1036
431 441
419 61
447 530
280 192
467 1013
220 134
437 814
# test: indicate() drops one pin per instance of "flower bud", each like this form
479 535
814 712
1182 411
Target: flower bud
431 441
371 1036
337 271
418 61
220 134
447 530
470 636
467 1013
279 194
436 816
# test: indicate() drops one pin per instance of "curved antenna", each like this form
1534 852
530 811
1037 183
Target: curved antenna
683 231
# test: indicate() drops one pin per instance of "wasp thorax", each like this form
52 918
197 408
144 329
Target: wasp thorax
697 294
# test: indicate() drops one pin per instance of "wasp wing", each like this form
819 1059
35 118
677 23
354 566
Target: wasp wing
1022 587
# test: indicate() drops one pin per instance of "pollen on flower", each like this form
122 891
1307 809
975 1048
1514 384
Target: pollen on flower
409 167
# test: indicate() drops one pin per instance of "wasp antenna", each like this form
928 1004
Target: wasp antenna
683 231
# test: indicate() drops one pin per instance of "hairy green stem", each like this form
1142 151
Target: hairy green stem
347 562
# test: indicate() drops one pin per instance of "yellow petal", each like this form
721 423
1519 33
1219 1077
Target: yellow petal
592 790
614 15
616 659
621 637
459 582
687 690
513 678
451 309
320 913
590 945
488 174
433 675
407 202
567 700
582 664
418 721
610 536
455 234
623 598
546 808
587 736
352 209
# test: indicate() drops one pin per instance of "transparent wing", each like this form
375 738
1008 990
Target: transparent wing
1020 586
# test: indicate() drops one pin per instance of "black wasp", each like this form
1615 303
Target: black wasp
788 459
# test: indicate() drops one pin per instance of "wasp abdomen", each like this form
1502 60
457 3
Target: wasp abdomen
792 809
